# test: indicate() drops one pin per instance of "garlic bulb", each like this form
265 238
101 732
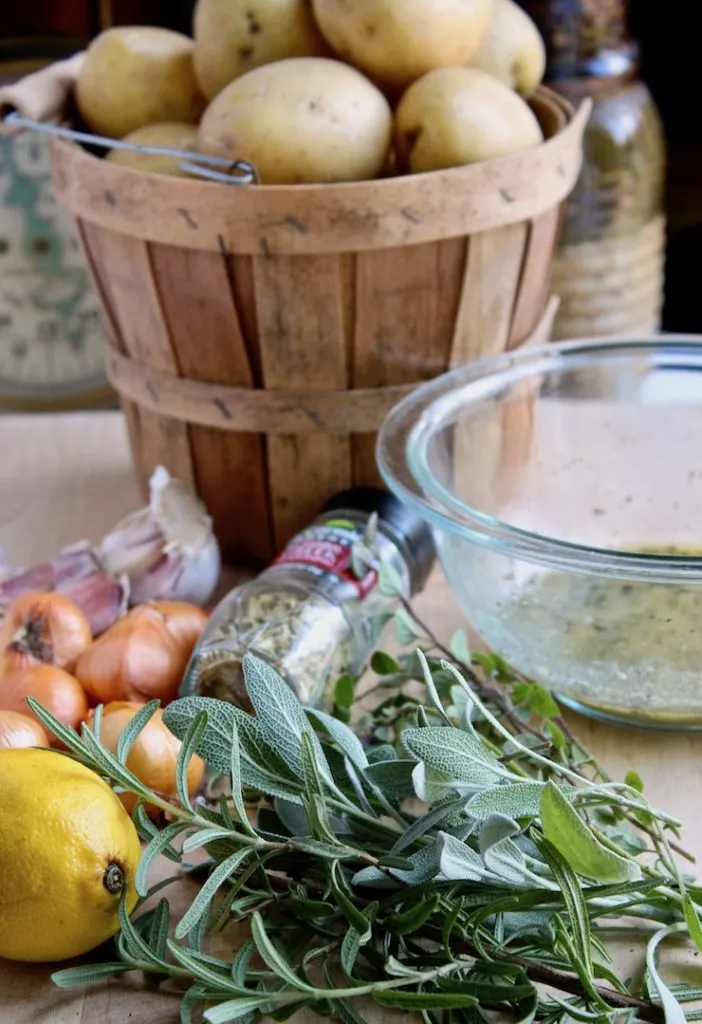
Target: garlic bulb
167 550
164 552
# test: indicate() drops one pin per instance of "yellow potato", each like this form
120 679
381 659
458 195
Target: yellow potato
398 41
136 76
513 49
457 116
235 36
172 135
306 119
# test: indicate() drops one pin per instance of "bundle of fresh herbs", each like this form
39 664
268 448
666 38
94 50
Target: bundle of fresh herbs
456 854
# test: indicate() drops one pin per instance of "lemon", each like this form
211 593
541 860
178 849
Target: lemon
68 849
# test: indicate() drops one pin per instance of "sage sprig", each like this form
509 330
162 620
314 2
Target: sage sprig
494 894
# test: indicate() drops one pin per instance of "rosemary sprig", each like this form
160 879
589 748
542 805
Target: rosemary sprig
504 880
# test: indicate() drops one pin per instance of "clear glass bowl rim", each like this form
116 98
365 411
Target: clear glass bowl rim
419 416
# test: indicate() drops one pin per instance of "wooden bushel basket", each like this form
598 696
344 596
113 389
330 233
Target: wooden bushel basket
259 335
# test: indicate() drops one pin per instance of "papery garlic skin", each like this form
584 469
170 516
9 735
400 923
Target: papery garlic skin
77 573
167 550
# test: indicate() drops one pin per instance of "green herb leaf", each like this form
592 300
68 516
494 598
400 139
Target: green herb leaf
158 931
460 648
385 752
571 889
273 958
458 862
389 861
383 665
404 629
241 961
455 753
191 742
520 800
558 737
449 924
435 787
489 992
541 702
344 691
205 837
350 948
237 1009
202 902
416 915
566 830
90 974
501 856
327 851
672 1009
154 849
425 867
393 778
692 920
134 727
132 941
389 583
431 687
236 780
424 824
261 765
69 737
345 738
397 999
634 780
344 898
280 714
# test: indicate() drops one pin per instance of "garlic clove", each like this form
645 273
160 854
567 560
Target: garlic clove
167 550
102 597
134 546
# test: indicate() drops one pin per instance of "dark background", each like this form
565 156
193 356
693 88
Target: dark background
671 65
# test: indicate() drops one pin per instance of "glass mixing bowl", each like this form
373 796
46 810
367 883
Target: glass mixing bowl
564 485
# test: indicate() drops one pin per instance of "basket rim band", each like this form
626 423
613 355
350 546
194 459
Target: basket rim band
273 412
345 217
253 410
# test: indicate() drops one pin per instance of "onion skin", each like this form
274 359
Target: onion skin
137 659
185 622
153 755
18 730
56 690
43 627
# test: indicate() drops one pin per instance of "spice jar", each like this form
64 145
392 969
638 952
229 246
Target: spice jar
608 269
316 612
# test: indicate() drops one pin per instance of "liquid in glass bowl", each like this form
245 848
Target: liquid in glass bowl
564 486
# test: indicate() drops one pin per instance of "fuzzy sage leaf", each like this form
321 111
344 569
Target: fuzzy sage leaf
566 830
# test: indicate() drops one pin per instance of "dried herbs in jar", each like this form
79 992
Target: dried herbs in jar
314 613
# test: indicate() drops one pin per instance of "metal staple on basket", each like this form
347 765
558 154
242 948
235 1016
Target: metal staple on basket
237 172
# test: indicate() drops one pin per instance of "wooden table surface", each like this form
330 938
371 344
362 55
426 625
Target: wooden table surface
67 477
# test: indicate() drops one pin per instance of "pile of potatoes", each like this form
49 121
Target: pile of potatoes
321 90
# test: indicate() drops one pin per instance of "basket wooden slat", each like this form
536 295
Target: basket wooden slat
302 344
209 345
536 274
404 325
138 328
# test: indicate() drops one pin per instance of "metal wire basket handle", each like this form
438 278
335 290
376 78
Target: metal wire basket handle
39 102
